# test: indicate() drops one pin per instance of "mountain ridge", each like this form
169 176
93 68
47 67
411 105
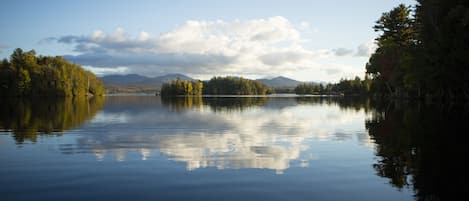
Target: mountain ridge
279 81
129 83
136 80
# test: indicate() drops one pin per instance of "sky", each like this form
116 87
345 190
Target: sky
307 40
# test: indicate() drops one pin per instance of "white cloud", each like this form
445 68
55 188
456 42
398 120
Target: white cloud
363 50
366 49
97 35
342 52
304 25
261 47
270 46
103 70
285 57
332 71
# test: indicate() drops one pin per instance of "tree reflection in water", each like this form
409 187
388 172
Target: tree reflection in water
422 147
215 103
28 118
417 146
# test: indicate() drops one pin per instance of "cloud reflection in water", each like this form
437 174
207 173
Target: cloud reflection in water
270 135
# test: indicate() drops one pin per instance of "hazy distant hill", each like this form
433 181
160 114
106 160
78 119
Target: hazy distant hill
133 83
139 80
122 79
280 81
158 81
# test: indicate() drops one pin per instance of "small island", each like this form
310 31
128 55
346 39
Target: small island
215 86
26 74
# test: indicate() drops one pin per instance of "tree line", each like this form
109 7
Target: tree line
348 87
26 74
215 86
422 51
235 86
178 87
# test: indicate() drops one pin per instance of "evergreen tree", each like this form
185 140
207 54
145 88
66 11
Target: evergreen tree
28 75
178 87
424 54
391 61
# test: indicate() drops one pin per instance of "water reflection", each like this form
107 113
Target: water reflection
218 132
28 118
416 146
350 103
422 147
216 104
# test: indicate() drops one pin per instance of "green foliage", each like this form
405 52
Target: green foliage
180 88
390 63
216 104
422 52
305 88
354 86
443 32
215 86
29 75
235 86
347 87
28 118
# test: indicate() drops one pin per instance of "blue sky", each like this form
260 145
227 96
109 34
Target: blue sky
305 40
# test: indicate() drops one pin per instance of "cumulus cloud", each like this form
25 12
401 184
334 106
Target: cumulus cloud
285 57
262 47
366 49
269 46
103 70
148 63
342 52
304 25
363 50
332 71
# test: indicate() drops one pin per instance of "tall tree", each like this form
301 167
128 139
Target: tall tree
392 59
444 30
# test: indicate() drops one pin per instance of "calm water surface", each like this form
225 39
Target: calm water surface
284 148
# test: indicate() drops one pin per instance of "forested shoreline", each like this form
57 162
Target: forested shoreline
346 87
421 54
26 74
179 87
422 51
215 86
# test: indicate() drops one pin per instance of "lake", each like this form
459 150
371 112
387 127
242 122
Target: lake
231 148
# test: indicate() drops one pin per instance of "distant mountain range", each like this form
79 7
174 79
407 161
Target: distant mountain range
135 80
133 83
140 83
280 81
